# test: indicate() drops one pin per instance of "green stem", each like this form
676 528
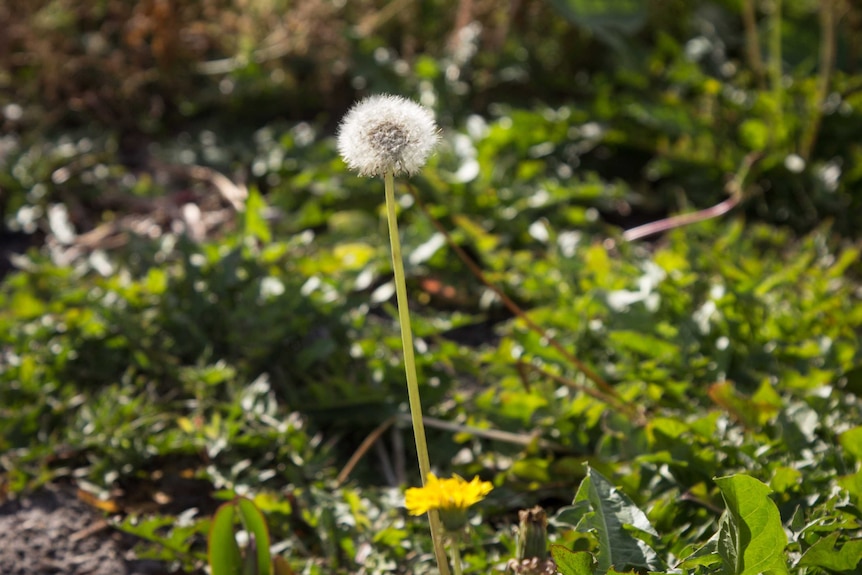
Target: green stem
827 61
752 44
775 60
410 366
456 556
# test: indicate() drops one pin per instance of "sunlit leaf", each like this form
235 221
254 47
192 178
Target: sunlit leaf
751 538
570 562
824 553
613 518
224 554
255 524
254 221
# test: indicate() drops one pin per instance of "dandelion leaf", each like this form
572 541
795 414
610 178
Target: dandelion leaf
614 519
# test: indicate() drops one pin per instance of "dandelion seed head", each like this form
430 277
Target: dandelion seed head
387 133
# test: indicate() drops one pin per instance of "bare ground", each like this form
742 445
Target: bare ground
52 532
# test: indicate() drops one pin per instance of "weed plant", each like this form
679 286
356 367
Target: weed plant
201 295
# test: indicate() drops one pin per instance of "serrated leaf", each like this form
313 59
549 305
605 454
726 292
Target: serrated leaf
823 554
751 539
611 519
571 562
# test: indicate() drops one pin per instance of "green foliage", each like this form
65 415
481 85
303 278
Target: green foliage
225 557
750 537
257 346
572 563
601 509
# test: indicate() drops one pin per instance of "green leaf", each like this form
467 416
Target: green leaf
853 484
254 222
823 554
751 539
706 555
851 441
785 479
255 523
223 551
754 134
570 562
612 517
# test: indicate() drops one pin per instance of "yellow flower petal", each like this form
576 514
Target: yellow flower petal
445 494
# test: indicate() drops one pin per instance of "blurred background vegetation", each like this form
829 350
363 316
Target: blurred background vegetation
195 288
680 91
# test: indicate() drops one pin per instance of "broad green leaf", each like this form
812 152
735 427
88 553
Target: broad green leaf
823 554
570 562
751 539
222 549
613 517
255 524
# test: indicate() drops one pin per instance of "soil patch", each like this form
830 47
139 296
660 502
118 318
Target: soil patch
53 532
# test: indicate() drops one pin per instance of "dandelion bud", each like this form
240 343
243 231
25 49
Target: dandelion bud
533 533
386 133
533 545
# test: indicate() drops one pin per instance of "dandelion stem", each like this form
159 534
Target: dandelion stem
456 556
410 365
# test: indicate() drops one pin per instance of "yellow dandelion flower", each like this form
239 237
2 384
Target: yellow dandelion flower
451 497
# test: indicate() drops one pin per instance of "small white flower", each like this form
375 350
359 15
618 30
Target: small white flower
387 134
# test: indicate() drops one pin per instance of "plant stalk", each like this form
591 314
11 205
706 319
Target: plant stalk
752 44
776 74
456 556
410 366
827 62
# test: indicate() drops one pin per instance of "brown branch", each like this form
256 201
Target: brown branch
734 187
360 452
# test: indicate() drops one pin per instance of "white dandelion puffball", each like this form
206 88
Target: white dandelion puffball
387 134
